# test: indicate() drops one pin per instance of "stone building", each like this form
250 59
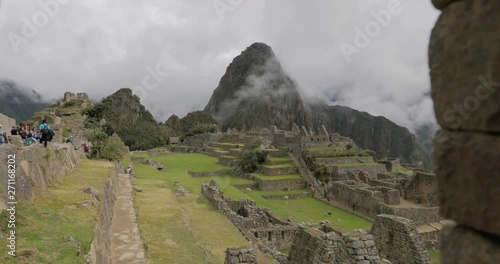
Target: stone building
397 240
324 245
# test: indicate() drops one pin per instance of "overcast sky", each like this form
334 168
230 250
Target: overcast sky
99 46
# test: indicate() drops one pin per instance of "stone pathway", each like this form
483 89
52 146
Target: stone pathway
126 243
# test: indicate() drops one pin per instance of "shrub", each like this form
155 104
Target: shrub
252 157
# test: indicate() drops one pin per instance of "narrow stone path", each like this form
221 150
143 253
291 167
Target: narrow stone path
126 243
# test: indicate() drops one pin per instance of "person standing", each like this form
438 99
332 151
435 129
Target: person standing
45 130
14 131
3 136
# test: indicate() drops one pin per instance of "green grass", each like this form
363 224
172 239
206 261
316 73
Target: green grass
279 158
435 255
280 166
307 209
183 229
42 226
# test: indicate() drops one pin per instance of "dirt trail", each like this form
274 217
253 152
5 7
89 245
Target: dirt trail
126 243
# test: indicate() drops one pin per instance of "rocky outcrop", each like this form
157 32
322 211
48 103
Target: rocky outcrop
7 123
255 92
36 166
465 77
397 240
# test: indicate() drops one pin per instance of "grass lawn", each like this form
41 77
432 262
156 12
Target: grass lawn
279 158
186 229
435 255
42 226
308 209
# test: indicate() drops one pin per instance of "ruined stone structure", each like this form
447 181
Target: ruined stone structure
464 68
81 98
241 256
257 224
397 240
324 245
411 196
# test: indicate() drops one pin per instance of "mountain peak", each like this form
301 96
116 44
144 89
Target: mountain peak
255 87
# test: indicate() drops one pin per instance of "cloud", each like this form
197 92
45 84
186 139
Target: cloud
100 46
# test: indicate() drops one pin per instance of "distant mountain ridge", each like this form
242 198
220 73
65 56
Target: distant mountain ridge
19 103
256 92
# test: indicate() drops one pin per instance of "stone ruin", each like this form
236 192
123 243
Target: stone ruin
70 97
317 243
464 69
257 224
323 244
411 196
397 240
241 256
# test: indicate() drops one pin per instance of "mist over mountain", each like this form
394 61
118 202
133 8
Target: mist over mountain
255 92
19 102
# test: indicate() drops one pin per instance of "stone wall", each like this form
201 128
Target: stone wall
37 167
392 165
241 256
465 76
344 160
373 201
397 240
272 171
322 245
100 249
7 123
273 185
257 224
338 172
209 173
422 187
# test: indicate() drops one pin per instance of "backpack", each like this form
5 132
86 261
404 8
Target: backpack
45 129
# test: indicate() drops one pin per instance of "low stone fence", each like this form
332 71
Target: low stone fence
183 149
271 171
344 160
286 184
228 161
287 196
209 173
100 249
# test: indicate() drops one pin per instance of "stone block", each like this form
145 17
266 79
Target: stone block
464 60
462 245
442 4
468 171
